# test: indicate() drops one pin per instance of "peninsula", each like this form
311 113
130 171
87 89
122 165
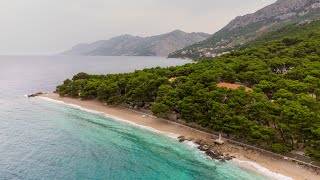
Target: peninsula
264 96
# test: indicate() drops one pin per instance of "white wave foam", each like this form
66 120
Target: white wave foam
260 169
49 99
191 144
245 164
171 135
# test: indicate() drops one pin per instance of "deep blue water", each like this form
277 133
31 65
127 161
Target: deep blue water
40 139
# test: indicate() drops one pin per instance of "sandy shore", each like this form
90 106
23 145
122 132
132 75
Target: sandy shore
275 165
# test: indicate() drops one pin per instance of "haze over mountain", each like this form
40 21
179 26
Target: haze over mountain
248 27
127 45
46 27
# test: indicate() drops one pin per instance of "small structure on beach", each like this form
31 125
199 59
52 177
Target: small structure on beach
219 141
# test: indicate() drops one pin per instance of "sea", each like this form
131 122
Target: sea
41 139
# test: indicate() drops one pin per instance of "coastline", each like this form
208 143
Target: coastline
245 158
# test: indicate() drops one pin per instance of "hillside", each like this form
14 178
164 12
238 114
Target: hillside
128 45
295 29
280 112
245 28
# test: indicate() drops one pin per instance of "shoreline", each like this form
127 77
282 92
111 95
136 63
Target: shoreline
249 159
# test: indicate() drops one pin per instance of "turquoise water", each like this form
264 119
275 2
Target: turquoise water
41 139
48 140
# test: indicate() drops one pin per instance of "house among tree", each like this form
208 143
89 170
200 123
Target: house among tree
233 86
172 79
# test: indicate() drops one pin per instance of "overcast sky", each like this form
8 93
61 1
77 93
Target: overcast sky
50 26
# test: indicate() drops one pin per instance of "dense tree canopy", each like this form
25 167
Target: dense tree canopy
281 114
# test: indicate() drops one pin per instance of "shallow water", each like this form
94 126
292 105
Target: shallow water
46 140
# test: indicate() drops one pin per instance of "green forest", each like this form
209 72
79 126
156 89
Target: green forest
281 114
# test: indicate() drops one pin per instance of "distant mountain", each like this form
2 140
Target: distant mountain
127 45
245 28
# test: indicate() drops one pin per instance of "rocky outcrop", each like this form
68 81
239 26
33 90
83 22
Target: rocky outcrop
209 150
215 154
182 138
35 95
203 147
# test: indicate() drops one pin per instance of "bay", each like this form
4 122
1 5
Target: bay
46 140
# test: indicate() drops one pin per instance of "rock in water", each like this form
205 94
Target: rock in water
182 138
35 95
203 148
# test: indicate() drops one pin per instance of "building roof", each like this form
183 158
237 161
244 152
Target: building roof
172 79
233 86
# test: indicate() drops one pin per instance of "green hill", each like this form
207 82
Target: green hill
295 29
281 114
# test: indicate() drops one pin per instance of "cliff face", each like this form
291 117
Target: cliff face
128 45
281 10
248 27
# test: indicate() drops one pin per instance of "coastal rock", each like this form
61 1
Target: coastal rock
203 148
182 138
200 142
228 158
213 153
35 95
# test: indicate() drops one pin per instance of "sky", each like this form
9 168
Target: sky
52 26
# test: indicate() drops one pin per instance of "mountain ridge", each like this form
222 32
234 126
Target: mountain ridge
128 45
245 28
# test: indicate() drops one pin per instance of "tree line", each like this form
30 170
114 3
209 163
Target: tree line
281 114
